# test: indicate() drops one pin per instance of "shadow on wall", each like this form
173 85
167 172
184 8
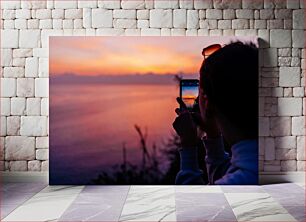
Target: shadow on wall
280 109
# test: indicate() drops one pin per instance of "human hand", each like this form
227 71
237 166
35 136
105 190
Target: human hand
185 125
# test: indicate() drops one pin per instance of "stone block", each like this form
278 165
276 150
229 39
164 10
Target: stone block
165 32
45 165
63 4
87 18
8 14
25 87
179 18
224 24
18 106
87 4
165 4
280 38
31 67
150 32
192 19
125 23
22 53
227 4
5 106
3 127
301 148
41 87
43 67
240 24
132 4
264 126
252 4
9 38
45 107
186 4
299 92
33 106
20 148
293 4
18 166
288 165
10 5
42 142
290 106
8 87
34 165
299 19
73 13
269 149
13 125
285 154
58 13
270 57
33 126
280 126
43 13
20 23
245 14
6 57
125 14
29 38
102 18
42 154
142 24
298 125
289 76
298 38
109 4
214 14
13 72
301 166
143 14
285 142
160 18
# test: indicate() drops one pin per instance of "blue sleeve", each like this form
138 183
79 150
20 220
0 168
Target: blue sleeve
190 172
217 160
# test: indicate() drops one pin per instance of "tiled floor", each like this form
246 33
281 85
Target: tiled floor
39 202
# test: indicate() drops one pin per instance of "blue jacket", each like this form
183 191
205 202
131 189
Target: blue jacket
240 169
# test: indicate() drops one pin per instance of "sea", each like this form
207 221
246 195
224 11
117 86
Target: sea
91 123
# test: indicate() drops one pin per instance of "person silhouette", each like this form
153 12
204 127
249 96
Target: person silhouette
228 112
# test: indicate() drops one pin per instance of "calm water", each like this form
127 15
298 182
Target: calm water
90 123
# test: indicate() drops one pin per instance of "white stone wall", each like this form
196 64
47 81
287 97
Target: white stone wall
26 26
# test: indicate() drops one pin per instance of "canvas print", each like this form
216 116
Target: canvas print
153 110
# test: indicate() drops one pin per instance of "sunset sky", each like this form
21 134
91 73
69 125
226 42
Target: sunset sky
128 55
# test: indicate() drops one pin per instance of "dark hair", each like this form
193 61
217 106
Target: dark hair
229 78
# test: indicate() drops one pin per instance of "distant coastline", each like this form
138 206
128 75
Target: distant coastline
149 78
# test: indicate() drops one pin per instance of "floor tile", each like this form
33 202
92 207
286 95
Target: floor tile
105 189
291 199
47 205
198 189
98 203
298 212
203 207
283 188
242 189
257 207
149 203
22 187
6 210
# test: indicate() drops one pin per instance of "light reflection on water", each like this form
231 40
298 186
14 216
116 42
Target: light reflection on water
89 124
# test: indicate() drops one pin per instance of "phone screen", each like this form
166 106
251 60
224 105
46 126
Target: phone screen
189 91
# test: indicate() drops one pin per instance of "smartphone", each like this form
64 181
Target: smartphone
189 91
